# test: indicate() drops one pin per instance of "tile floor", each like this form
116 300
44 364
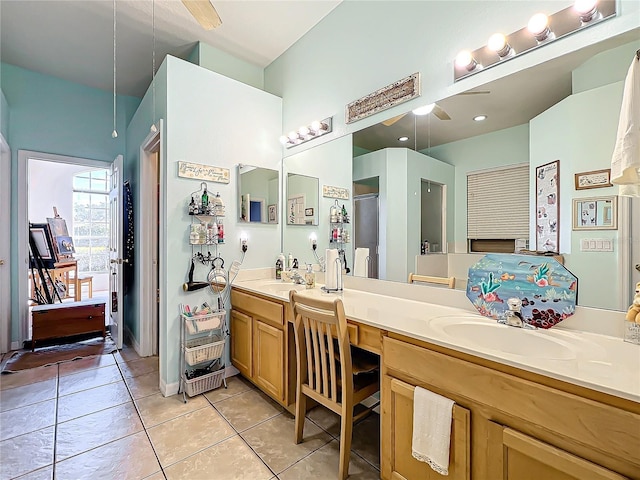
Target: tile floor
104 418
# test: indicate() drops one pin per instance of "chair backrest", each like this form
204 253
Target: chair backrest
314 322
450 282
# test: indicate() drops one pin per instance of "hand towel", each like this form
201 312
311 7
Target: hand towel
432 415
625 161
361 263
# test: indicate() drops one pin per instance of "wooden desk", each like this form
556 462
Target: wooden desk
67 273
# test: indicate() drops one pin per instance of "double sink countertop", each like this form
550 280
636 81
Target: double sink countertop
600 362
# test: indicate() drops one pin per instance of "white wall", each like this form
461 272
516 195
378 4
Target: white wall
330 163
212 120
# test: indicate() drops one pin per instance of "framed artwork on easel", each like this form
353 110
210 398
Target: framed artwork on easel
548 207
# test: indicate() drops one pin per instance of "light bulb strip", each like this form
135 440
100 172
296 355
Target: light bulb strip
308 132
562 23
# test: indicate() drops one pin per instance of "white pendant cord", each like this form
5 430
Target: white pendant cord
429 146
153 66
114 134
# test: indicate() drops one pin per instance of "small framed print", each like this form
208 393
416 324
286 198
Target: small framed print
593 179
308 212
273 213
596 213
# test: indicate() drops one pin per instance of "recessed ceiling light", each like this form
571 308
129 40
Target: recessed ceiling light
425 110
403 139
479 118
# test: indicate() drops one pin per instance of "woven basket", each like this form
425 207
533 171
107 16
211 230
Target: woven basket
203 349
204 383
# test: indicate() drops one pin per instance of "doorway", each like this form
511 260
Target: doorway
366 214
432 217
80 201
5 249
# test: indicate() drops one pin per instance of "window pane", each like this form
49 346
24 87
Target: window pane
100 242
80 214
83 263
98 200
99 215
99 262
99 230
99 185
81 199
81 230
80 183
81 243
100 174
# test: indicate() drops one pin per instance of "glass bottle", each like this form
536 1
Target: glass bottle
220 231
205 200
192 206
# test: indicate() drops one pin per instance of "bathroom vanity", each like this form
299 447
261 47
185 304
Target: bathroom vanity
555 404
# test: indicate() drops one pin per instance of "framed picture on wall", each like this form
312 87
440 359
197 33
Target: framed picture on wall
593 179
273 213
597 213
548 207
41 242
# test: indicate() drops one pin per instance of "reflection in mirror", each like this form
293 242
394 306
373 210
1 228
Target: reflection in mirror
302 200
257 194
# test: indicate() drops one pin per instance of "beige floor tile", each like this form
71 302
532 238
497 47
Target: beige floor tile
144 385
92 400
366 439
248 409
127 354
28 394
273 441
156 476
25 377
183 436
130 458
156 409
89 379
325 419
19 421
323 464
91 431
235 385
26 453
45 473
229 460
139 367
86 363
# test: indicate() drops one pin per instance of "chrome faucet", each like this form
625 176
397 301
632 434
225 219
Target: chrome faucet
298 279
513 317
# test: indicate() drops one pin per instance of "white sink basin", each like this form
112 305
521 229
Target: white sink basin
502 338
282 287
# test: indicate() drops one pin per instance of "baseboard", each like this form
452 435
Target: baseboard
131 339
15 345
230 371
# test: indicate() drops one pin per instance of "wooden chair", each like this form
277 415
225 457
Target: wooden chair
450 282
332 378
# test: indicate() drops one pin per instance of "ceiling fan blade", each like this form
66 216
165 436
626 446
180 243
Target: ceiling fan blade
392 120
204 13
478 92
440 113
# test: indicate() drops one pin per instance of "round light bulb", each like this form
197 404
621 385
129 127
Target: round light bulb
303 131
585 6
425 110
403 139
479 118
284 139
464 59
497 42
293 136
538 23
114 134
316 126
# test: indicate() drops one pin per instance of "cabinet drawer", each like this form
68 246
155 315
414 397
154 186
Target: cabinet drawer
260 307
352 330
370 338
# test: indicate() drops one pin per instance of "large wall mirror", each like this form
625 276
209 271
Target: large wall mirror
302 200
565 109
258 193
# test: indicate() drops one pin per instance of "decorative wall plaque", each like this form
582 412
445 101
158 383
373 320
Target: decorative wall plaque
203 172
547 207
398 92
335 192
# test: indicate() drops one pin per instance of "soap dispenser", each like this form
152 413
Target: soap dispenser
310 277
279 266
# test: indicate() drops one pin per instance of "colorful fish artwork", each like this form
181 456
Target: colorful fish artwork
547 289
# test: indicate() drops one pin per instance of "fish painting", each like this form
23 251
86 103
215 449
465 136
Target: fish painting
507 276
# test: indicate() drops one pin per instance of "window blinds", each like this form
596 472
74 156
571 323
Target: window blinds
498 203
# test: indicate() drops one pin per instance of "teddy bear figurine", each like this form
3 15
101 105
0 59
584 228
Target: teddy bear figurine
633 314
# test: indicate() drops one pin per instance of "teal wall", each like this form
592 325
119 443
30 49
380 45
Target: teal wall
56 116
606 67
225 64
4 115
496 149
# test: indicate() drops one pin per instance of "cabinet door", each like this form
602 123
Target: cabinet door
397 427
241 342
515 456
268 357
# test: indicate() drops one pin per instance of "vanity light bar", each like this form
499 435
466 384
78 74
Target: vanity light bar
305 133
541 30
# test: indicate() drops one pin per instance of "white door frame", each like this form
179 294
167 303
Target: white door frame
150 294
5 247
23 224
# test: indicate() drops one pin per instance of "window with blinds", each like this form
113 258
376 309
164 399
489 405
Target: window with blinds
498 205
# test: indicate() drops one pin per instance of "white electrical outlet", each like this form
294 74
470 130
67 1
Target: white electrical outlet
596 245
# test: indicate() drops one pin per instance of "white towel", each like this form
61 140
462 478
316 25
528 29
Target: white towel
432 415
361 263
625 161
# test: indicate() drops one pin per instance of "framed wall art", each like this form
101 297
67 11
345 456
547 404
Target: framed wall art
548 207
596 213
41 242
593 179
273 213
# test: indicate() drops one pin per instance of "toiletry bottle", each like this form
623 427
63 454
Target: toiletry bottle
214 233
192 206
205 200
219 205
289 261
294 265
310 277
278 269
220 231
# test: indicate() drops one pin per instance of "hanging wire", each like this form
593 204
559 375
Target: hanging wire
114 134
153 66
429 146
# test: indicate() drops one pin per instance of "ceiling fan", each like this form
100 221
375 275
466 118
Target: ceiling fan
204 13
434 108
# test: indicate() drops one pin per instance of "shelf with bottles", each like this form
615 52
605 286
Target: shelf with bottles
202 204
338 218
209 213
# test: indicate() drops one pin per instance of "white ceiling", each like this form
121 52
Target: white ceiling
74 39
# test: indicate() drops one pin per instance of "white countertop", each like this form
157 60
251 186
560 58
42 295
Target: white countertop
599 362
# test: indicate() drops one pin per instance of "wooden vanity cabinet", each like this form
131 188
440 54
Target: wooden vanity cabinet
259 340
514 425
